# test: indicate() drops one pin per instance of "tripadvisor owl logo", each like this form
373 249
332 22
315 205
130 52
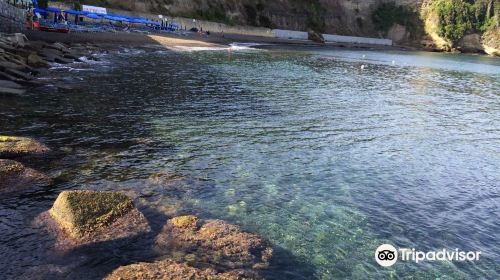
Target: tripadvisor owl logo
386 255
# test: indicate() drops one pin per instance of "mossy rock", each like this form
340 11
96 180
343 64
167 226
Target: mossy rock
9 167
171 270
188 221
82 212
12 147
15 176
214 243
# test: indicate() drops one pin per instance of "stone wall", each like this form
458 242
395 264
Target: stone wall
290 34
12 19
357 40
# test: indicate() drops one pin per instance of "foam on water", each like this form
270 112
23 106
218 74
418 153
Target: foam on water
243 46
197 49
232 47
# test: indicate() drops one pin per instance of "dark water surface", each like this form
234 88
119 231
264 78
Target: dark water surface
302 146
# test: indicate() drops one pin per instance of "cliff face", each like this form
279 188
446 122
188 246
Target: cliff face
457 25
419 23
345 17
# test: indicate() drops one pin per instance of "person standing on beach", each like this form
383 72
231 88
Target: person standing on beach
29 17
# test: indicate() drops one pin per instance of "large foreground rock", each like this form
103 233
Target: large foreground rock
171 270
14 147
81 217
213 242
14 176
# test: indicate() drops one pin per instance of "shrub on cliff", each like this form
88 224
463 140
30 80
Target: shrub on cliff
457 17
315 20
388 14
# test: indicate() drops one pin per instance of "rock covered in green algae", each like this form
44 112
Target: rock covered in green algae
82 212
171 270
15 176
12 147
186 222
213 242
80 217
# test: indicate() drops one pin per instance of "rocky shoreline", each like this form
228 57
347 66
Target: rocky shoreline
15 152
21 61
187 246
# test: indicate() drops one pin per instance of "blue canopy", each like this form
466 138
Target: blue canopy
115 18
53 10
93 16
73 12
152 22
136 20
41 11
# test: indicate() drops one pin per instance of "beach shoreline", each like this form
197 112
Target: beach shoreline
187 39
191 40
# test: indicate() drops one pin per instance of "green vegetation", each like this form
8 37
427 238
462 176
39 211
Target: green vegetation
255 15
43 3
314 12
457 17
214 12
266 22
388 14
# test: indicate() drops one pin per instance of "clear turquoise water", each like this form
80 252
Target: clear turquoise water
323 158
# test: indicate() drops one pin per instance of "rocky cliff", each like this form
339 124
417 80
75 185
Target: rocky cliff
348 17
407 22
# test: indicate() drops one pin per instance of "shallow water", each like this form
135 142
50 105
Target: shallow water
302 146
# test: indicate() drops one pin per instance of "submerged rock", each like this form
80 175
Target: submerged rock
14 176
80 217
13 147
213 242
168 179
171 270
172 184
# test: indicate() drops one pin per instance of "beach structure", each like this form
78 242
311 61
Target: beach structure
97 19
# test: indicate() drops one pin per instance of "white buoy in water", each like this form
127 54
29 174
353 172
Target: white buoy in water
363 67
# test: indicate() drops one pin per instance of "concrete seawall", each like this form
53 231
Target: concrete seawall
356 40
330 38
12 19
